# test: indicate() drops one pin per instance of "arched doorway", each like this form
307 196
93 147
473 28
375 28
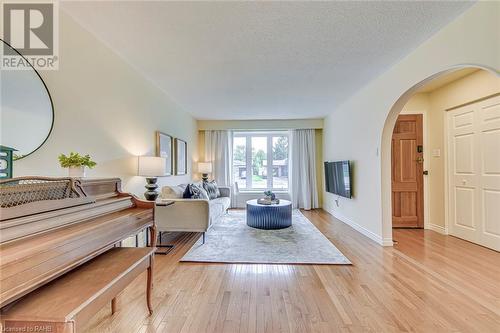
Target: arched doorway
387 138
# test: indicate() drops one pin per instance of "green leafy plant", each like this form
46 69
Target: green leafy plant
76 160
270 194
15 157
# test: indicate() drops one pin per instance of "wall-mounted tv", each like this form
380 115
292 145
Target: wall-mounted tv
338 178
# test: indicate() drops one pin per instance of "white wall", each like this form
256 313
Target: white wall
105 108
360 129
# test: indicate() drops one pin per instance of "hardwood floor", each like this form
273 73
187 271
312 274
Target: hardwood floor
426 283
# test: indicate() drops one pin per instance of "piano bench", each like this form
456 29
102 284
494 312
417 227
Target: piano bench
66 304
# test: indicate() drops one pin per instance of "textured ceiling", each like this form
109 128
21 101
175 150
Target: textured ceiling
262 60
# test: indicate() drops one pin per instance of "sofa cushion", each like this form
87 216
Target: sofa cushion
212 189
224 202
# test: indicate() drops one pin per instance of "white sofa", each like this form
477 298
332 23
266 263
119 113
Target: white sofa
189 215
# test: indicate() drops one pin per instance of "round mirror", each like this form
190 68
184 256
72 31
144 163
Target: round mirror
26 111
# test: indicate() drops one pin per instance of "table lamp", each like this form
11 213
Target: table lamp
204 168
151 167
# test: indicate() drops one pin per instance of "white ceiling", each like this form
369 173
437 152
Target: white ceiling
262 60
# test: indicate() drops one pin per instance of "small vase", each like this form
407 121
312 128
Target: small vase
76 172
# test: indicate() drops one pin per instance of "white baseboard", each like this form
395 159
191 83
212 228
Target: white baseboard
373 236
387 242
437 228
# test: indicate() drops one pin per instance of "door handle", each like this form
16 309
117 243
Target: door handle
419 159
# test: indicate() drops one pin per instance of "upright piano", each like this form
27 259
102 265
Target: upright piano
55 232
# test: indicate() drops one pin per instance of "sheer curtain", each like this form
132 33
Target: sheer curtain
219 151
304 190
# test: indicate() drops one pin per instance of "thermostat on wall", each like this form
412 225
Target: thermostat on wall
436 152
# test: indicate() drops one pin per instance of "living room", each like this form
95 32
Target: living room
252 166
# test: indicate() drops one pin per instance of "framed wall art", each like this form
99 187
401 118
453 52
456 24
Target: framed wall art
180 157
165 149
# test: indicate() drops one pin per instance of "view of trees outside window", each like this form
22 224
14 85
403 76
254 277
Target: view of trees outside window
239 161
259 162
251 154
280 162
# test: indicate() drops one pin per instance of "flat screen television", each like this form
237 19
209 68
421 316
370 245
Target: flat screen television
338 178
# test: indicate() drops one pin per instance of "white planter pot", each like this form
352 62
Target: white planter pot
77 172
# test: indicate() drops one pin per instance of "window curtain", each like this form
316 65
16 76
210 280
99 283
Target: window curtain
219 151
304 190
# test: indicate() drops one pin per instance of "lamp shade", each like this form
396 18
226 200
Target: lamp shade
151 166
204 167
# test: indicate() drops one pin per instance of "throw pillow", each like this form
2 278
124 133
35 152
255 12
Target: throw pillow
195 192
212 189
188 192
172 192
202 193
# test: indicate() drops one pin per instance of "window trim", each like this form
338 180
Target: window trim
248 159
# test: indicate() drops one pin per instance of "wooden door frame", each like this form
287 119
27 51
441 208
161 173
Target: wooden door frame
427 158
426 155
446 173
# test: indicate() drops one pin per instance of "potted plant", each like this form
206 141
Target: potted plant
76 164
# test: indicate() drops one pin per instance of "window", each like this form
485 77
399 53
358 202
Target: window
260 160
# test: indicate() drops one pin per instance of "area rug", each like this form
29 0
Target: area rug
230 240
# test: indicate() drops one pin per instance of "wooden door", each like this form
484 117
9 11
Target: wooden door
407 172
474 172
